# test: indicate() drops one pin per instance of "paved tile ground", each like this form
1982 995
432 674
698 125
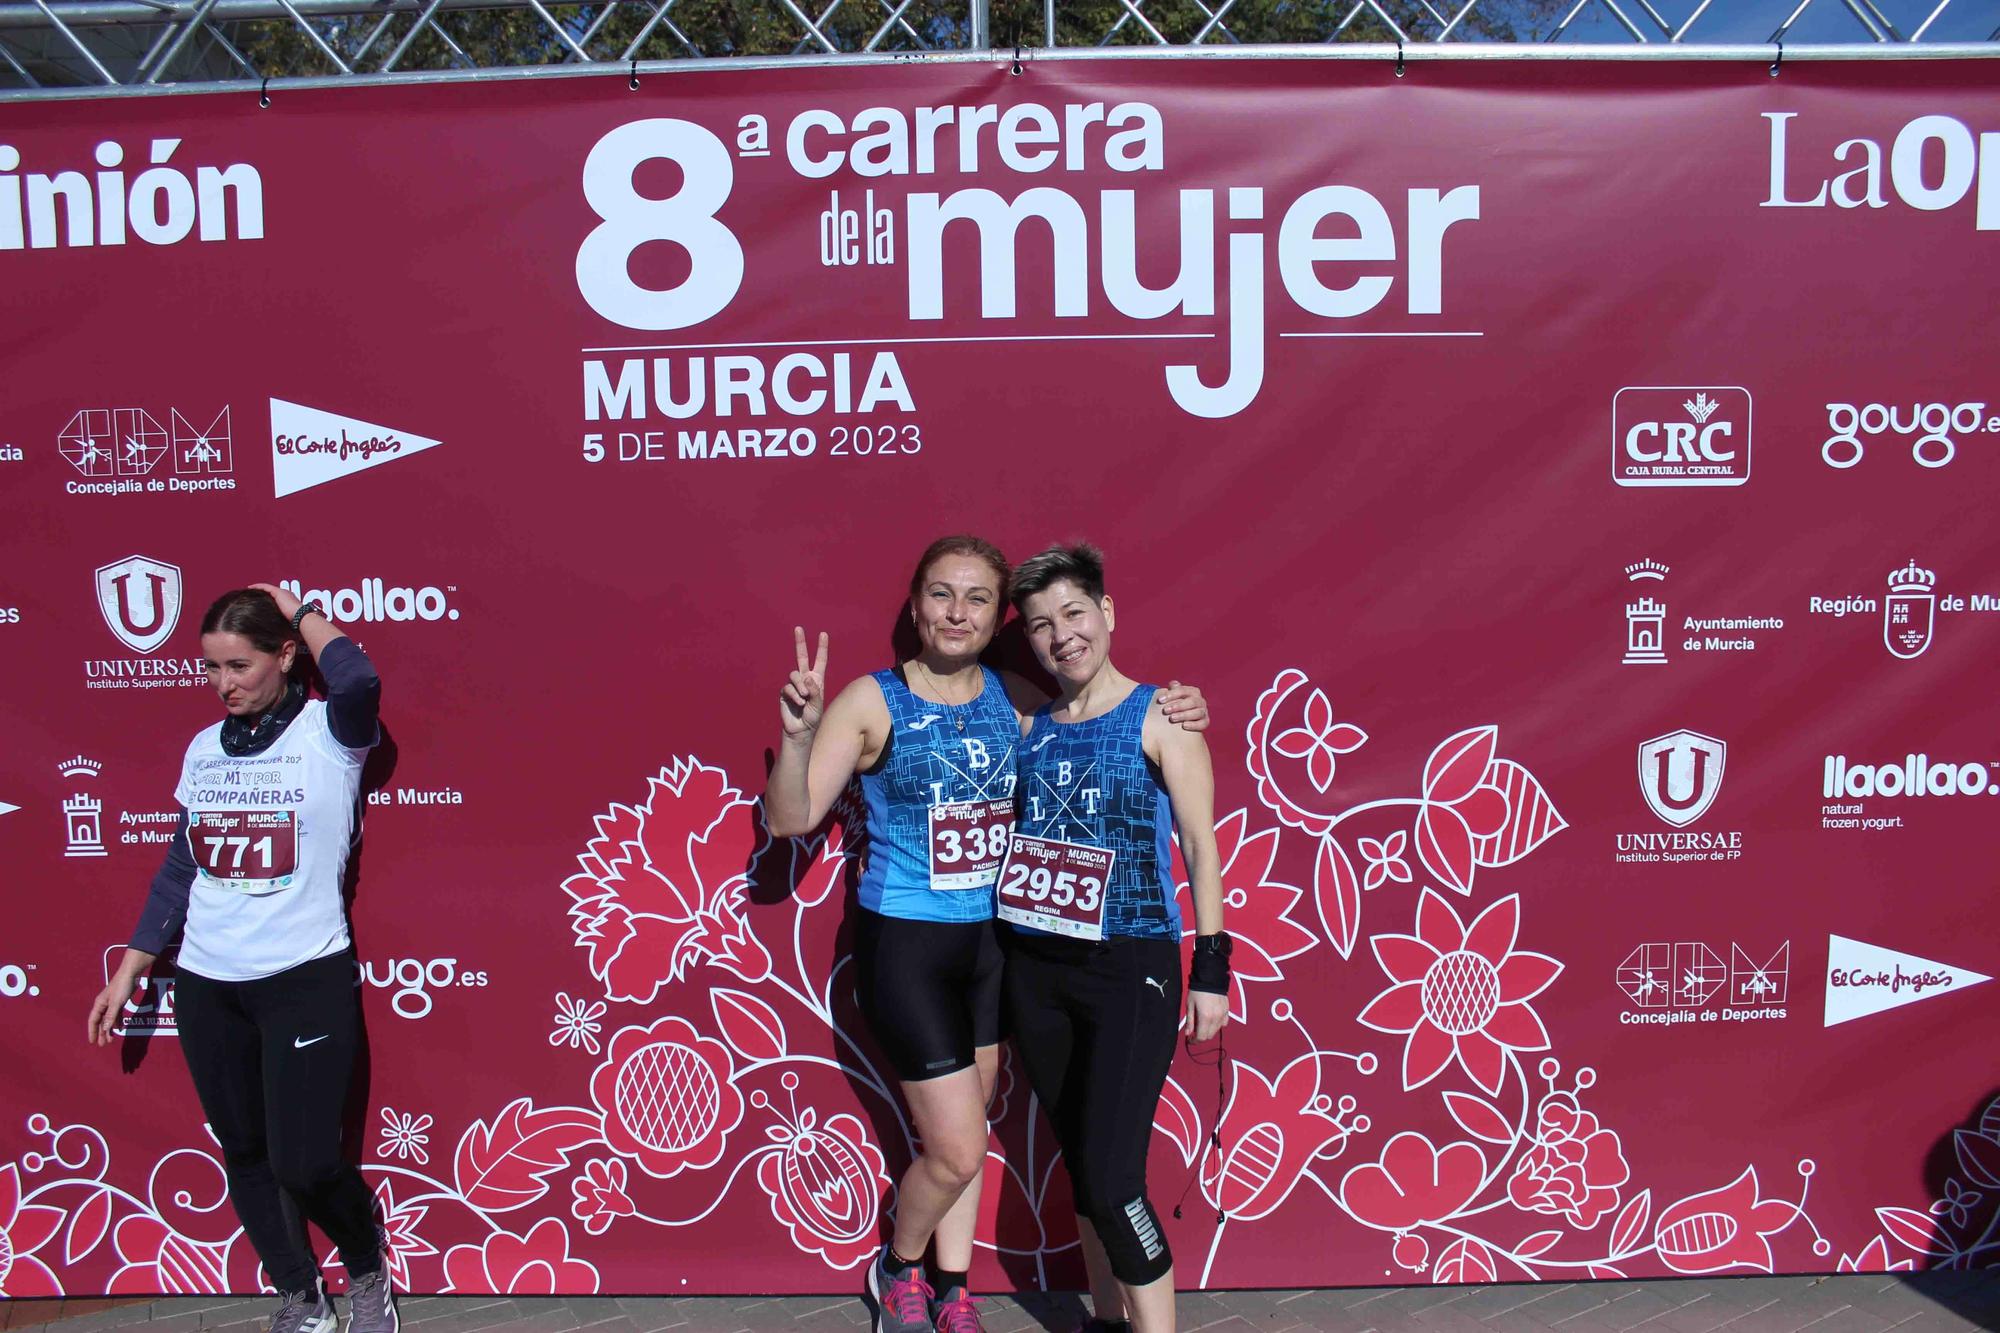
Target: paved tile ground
1923 1303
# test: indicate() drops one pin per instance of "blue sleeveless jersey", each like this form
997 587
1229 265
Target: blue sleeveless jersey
939 755
1091 783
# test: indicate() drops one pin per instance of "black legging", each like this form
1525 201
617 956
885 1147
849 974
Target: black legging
1095 1025
271 1060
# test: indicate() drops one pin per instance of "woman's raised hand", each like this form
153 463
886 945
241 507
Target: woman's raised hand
288 605
803 702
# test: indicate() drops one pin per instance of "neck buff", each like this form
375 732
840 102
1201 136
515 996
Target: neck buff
240 737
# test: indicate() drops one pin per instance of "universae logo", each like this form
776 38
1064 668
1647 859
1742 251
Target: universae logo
140 598
1680 774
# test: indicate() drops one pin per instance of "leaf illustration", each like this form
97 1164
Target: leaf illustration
1606 1271
1444 845
1478 1117
1538 1243
1980 1156
507 1166
1630 1228
1917 1230
87 1226
1337 890
1532 819
1177 1118
748 1024
1464 1260
1458 764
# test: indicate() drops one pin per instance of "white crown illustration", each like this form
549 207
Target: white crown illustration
79 767
1701 407
1645 569
1911 579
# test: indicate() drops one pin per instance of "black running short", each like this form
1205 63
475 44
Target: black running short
930 991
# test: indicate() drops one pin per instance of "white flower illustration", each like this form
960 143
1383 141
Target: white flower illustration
404 1136
577 1023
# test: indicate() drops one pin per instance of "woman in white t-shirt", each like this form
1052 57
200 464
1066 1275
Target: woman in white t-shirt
265 999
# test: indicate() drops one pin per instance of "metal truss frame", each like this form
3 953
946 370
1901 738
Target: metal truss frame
59 48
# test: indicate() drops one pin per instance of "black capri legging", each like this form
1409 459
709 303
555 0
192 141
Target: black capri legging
1095 1024
930 991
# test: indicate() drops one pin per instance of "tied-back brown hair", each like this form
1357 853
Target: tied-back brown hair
252 614
978 548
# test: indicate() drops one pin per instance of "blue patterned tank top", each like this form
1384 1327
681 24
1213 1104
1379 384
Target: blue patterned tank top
940 803
1091 783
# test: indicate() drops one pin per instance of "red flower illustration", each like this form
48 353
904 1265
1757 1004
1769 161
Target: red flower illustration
1575 1167
1258 909
537 1264
400 1241
662 884
667 1098
1413 1183
1320 741
1460 992
826 1186
598 1195
159 1259
1722 1229
1271 1133
24 1228
1385 860
1874 1258
1460 808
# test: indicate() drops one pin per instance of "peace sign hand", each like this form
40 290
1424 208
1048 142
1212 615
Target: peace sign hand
803 702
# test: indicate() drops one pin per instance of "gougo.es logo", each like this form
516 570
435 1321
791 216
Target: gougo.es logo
412 980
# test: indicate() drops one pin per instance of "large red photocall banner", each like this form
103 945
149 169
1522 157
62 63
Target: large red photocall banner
1571 486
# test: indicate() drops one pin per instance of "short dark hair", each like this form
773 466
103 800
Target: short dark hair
1081 564
978 548
252 614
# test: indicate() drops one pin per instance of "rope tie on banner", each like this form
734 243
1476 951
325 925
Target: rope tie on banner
1399 57
264 92
635 74
1221 1058
1780 60
1016 71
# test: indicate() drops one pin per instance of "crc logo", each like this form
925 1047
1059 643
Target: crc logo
413 980
130 442
150 1011
1663 436
1928 426
1680 774
141 600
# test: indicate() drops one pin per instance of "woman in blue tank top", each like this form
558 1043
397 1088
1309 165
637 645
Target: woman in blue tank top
1093 933
934 742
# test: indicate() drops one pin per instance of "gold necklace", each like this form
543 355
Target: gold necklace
930 678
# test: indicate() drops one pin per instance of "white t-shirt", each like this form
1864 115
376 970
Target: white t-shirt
270 834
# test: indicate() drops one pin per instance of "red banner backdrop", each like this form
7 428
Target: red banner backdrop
1571 486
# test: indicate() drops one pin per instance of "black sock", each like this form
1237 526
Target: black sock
949 1285
895 1265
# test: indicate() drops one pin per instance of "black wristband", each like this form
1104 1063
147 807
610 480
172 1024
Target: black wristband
307 609
1208 970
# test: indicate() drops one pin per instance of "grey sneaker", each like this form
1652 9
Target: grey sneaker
371 1308
304 1312
902 1304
